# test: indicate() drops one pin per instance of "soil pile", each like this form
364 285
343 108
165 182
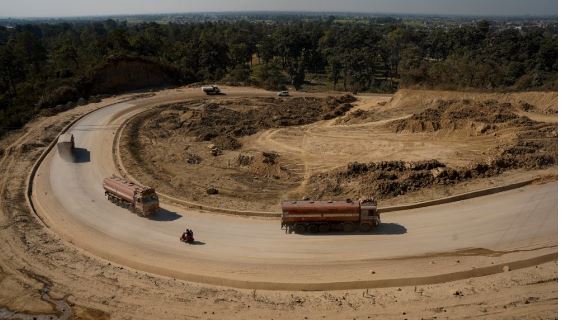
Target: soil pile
533 149
407 102
223 125
452 115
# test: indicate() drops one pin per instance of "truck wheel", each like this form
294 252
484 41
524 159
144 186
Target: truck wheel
365 227
348 227
299 228
324 228
312 228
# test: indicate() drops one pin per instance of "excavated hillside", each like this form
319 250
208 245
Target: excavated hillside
535 105
531 145
473 117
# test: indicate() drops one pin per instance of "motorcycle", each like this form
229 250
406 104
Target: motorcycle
187 236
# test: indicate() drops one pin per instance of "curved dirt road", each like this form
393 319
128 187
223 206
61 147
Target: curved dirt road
255 253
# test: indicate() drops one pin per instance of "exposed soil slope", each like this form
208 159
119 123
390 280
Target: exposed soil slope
541 106
528 144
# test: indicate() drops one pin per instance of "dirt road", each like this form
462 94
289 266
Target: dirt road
250 253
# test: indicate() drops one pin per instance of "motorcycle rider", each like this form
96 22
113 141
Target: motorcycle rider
187 235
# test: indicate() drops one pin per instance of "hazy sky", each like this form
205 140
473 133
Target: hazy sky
42 8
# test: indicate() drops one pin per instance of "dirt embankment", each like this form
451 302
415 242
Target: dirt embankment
192 150
528 144
474 117
541 106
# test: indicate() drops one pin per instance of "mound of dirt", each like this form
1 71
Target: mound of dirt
477 117
533 148
530 145
527 144
406 102
408 99
223 125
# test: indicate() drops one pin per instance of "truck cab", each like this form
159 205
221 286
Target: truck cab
369 213
147 201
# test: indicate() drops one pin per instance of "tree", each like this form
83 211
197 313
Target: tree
411 70
32 52
334 69
270 76
10 70
240 73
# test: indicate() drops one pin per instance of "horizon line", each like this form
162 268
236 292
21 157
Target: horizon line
302 12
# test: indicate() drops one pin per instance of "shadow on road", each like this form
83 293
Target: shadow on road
382 229
390 228
197 243
81 155
165 215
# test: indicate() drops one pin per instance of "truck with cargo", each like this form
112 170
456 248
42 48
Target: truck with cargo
324 216
137 198
65 146
211 90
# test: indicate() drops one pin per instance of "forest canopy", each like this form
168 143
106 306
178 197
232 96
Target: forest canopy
56 65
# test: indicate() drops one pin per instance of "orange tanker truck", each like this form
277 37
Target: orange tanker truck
139 199
324 216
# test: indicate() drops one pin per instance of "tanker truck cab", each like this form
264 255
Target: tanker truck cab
369 213
147 201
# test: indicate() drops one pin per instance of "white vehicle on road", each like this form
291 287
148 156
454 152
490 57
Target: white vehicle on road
210 90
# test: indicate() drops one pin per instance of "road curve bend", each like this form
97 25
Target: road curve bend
463 239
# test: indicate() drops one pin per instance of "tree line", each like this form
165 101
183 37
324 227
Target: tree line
37 60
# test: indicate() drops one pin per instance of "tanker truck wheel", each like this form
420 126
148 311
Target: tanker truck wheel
299 228
348 227
324 228
312 228
365 227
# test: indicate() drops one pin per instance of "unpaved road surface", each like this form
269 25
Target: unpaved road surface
255 253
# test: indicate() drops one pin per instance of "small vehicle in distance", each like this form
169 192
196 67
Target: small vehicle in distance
211 90
283 94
